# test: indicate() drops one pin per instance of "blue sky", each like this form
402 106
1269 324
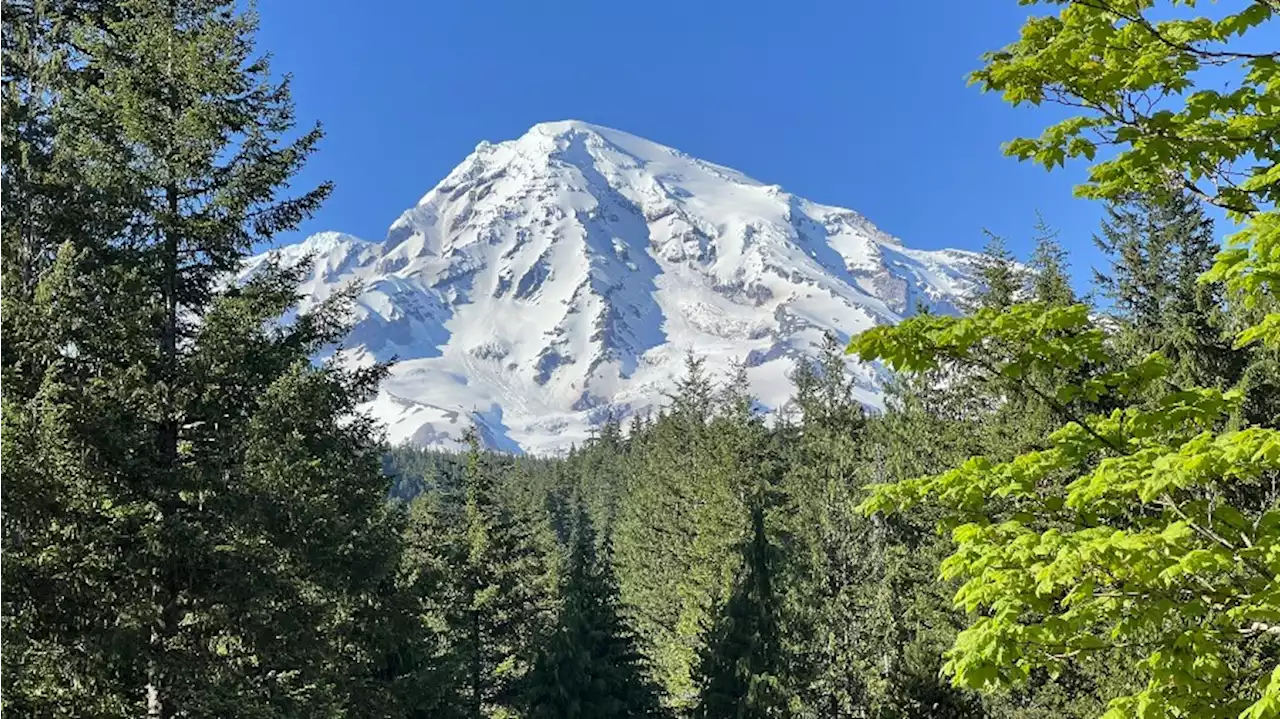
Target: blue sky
857 104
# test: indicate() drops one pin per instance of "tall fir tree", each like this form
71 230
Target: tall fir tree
592 668
1159 245
301 556
1048 280
825 573
56 655
206 502
495 605
45 200
1000 279
667 572
744 671
904 618
682 515
422 656
601 468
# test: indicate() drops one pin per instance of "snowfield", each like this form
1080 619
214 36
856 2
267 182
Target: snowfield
553 280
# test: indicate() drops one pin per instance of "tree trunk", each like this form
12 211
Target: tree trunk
477 669
160 703
163 591
155 709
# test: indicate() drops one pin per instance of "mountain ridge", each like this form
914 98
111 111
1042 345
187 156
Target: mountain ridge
559 278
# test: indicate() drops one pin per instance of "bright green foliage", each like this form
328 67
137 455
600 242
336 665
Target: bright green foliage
1142 527
592 666
1147 524
1132 70
1130 66
744 670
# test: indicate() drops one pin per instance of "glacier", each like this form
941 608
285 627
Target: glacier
559 279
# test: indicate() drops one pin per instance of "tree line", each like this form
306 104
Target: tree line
704 560
747 575
1067 505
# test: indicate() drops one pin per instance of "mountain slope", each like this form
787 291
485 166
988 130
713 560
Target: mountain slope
554 279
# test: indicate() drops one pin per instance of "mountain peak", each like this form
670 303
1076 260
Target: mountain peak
575 140
559 278
556 128
561 129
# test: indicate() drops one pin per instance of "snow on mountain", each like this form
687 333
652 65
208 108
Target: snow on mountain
554 279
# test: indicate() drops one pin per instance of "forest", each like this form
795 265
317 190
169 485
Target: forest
1068 506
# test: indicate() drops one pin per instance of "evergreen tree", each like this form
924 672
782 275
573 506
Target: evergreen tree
825 572
495 606
744 671
1048 280
205 501
301 554
690 474
669 574
421 652
1159 245
600 469
45 199
904 615
62 654
416 471
592 666
999 276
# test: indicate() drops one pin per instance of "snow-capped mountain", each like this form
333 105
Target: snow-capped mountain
554 279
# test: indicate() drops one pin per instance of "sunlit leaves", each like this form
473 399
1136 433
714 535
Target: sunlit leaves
1044 338
1157 542
1250 266
1136 83
1117 533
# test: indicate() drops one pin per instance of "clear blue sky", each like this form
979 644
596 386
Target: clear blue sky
858 104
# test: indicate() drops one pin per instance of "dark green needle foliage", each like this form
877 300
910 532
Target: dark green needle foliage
592 668
743 673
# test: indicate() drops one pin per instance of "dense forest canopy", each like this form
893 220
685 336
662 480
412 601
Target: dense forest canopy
1066 508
